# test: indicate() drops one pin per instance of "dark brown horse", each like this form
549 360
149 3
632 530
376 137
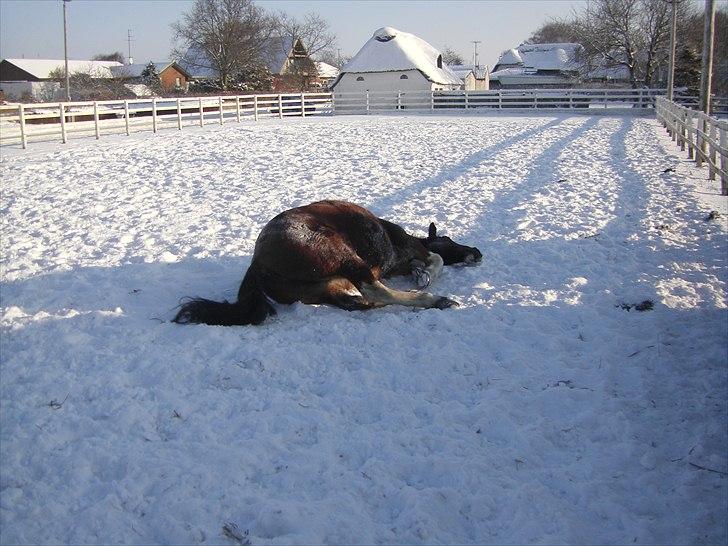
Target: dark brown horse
336 253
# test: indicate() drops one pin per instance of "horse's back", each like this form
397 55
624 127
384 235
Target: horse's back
322 240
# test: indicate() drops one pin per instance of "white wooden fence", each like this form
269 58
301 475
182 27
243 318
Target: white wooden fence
23 123
704 136
636 100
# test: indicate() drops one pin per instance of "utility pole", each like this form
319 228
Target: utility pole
65 52
707 72
475 55
673 39
129 58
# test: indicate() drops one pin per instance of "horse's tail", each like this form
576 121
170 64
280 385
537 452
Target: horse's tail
252 307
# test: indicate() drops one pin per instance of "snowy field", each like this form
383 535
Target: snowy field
541 411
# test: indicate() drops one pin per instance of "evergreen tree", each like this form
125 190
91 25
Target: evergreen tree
687 68
150 78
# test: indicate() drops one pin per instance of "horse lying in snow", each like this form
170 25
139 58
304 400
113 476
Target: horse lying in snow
336 253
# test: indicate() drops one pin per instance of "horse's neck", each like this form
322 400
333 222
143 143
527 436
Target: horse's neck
406 247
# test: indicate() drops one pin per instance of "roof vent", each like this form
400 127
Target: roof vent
385 34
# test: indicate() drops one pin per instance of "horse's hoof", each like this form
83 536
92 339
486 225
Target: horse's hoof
421 277
446 303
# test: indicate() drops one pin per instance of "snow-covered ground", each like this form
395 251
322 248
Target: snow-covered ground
540 411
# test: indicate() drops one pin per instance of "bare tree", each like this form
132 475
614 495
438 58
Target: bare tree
451 57
555 31
313 30
227 36
117 56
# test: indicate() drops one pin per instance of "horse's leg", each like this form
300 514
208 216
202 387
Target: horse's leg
424 273
341 292
379 294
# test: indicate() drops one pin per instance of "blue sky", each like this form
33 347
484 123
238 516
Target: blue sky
34 28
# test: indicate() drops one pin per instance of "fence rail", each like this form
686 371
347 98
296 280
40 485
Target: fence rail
703 136
24 123
562 99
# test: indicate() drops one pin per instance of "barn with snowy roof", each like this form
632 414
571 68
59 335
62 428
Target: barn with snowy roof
393 60
538 65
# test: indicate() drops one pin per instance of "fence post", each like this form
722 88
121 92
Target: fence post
255 107
96 120
689 129
23 136
179 114
712 163
154 114
500 101
62 112
303 106
126 116
399 100
237 108
280 106
723 162
432 100
367 102
701 126
219 104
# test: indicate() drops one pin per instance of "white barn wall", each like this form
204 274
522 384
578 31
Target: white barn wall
387 82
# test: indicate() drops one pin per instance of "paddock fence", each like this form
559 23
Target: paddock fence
24 123
592 100
704 137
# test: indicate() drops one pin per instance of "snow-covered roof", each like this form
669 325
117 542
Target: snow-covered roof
510 56
197 64
42 68
462 70
390 50
325 70
557 56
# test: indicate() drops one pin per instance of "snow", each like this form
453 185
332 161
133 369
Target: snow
400 51
42 68
326 70
539 412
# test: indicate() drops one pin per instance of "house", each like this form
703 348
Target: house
538 65
474 78
34 78
391 61
285 58
172 75
326 73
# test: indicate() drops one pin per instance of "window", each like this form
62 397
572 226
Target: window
177 82
403 77
360 79
439 61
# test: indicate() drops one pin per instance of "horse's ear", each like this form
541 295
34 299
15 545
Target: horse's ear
432 232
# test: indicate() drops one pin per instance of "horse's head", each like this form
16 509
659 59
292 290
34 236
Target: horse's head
450 251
